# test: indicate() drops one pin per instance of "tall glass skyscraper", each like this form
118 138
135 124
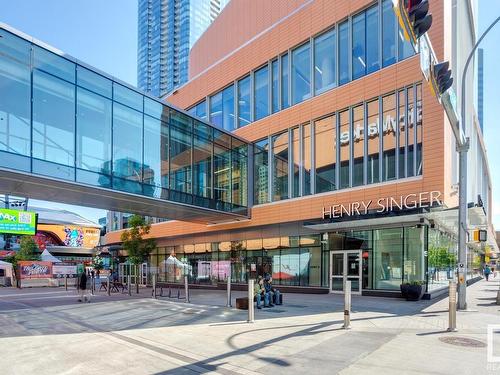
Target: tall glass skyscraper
167 31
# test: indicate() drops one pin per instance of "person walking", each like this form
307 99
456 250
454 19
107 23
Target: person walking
82 287
487 272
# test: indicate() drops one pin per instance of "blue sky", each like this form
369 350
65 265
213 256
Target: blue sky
103 33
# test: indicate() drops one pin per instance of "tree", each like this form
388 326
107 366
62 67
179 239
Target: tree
137 247
28 249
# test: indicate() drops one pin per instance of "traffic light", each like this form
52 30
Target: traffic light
479 235
413 17
441 77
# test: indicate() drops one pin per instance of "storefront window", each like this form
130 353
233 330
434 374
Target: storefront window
358 147
180 159
389 137
344 143
155 154
324 62
441 259
202 165
216 109
414 260
373 131
388 262
289 273
280 166
325 153
222 173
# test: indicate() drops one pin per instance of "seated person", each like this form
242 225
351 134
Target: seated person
260 292
273 292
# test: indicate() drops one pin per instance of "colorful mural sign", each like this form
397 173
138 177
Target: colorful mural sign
35 269
73 236
17 222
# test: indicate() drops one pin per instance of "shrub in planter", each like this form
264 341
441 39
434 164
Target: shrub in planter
412 291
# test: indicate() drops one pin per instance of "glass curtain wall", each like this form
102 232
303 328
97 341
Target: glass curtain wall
244 111
372 138
60 119
261 94
410 130
285 69
389 137
280 166
325 69
301 74
358 146
344 146
325 155
275 93
307 154
261 171
297 163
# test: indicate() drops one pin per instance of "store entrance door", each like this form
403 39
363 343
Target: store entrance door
345 266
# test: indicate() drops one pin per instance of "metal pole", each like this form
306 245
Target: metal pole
128 285
154 285
347 305
186 288
452 309
66 282
463 148
92 284
228 304
251 315
109 285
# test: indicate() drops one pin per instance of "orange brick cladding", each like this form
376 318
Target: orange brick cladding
311 19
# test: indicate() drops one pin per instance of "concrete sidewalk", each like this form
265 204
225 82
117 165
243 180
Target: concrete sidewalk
122 334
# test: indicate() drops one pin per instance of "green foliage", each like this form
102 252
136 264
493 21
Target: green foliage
439 257
28 249
97 263
415 282
133 241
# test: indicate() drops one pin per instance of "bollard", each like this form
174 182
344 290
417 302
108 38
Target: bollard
154 285
128 286
109 285
452 309
347 305
92 286
186 288
228 304
66 282
251 315
498 296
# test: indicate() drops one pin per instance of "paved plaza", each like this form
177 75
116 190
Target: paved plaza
46 331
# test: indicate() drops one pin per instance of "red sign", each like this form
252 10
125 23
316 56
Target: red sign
35 269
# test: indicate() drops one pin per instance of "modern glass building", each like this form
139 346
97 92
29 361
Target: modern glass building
354 163
167 29
64 123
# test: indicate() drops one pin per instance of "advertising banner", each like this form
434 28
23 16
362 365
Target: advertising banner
74 236
17 222
59 271
35 269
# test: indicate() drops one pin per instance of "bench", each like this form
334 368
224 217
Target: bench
242 303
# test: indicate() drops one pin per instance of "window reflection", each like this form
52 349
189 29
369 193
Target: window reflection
344 52
275 86
202 165
53 119
261 171
261 97
372 40
222 173
180 159
280 165
344 144
358 149
358 46
325 154
373 142
410 97
295 148
285 99
244 102
388 34
301 74
307 152
389 137
419 130
402 133
324 62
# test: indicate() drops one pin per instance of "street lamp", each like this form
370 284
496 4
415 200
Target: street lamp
463 148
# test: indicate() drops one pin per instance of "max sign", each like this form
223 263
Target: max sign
381 205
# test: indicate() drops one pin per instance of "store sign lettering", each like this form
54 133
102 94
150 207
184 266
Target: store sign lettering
388 126
381 205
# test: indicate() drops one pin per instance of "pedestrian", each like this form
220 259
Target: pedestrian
92 273
98 274
487 271
82 285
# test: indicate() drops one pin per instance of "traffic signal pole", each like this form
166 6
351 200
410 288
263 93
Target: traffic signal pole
463 148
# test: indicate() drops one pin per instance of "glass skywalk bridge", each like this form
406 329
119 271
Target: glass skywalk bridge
72 134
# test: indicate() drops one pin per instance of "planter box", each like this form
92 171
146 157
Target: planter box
412 292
